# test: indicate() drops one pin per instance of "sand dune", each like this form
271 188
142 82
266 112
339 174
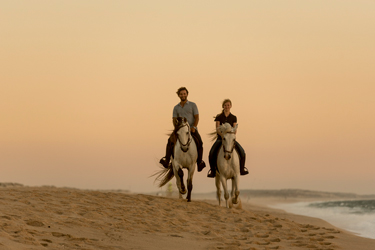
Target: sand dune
63 218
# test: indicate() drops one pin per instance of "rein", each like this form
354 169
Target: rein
226 151
187 143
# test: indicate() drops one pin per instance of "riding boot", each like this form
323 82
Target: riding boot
199 143
242 155
168 152
243 170
212 157
211 173
201 165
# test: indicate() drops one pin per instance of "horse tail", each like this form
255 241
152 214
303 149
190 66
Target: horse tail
164 175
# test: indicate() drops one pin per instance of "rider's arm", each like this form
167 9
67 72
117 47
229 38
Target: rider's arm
217 127
196 120
217 124
234 124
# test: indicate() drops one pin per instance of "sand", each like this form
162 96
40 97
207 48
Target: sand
63 218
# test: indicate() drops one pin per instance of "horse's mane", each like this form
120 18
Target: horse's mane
213 135
224 128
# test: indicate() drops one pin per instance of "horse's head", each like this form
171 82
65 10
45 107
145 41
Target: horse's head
182 129
228 136
178 122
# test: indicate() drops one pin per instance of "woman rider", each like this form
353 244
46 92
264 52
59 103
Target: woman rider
225 117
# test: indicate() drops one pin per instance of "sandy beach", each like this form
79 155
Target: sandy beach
65 218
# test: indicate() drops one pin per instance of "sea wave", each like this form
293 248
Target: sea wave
354 216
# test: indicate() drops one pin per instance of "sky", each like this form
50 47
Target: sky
88 89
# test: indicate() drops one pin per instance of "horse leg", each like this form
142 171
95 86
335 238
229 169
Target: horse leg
235 191
232 192
181 175
218 190
225 189
190 182
190 187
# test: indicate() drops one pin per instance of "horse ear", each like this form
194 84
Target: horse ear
177 121
235 128
185 120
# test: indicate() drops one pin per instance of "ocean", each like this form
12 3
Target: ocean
356 216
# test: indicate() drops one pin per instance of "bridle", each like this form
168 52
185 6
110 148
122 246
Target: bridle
234 143
188 142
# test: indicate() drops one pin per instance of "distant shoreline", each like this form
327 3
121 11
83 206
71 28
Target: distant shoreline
282 194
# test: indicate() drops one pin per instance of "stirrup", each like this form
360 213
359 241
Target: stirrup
164 162
211 174
244 171
201 166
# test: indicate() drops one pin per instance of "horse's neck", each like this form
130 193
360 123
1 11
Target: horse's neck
189 156
192 146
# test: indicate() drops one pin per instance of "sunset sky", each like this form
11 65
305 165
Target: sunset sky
88 88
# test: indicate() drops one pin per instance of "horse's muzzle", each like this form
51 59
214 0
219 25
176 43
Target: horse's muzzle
227 156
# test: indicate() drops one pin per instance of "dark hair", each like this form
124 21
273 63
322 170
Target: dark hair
181 89
225 101
222 105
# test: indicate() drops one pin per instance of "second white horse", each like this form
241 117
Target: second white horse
228 165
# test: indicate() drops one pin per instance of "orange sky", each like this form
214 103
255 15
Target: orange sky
88 89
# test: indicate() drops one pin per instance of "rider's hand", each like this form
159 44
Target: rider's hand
192 129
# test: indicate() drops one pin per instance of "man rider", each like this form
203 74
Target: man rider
189 110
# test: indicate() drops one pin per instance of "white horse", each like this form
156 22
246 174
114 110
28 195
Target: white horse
185 156
228 164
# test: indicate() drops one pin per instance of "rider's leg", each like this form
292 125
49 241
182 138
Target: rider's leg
242 154
168 152
213 158
199 143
